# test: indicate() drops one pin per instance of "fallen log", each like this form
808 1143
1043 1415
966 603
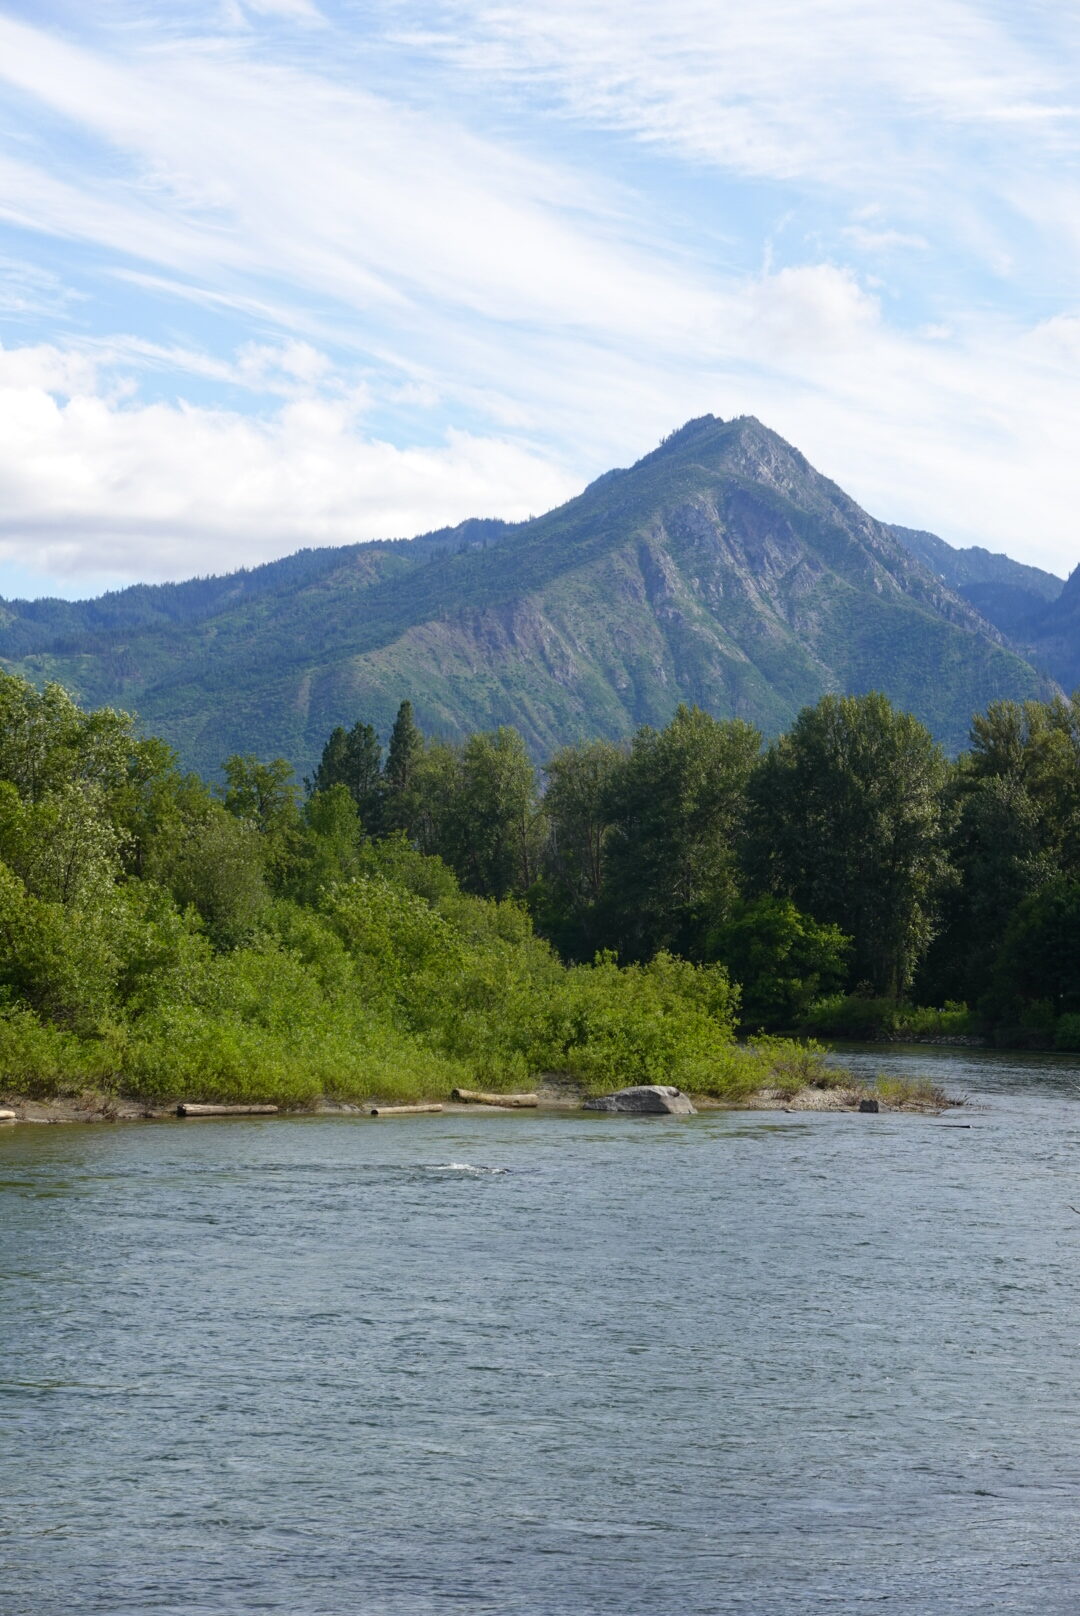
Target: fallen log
225 1110
401 1110
478 1097
8 1116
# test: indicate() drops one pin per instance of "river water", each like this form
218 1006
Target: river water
744 1362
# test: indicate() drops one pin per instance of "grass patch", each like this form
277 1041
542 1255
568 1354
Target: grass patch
913 1094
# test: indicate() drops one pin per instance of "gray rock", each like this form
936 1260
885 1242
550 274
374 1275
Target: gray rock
649 1099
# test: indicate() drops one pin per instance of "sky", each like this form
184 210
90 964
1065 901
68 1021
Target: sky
277 273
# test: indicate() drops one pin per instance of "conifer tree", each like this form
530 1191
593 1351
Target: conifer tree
399 775
353 759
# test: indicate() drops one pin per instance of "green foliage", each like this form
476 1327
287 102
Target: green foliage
1067 1032
665 1022
47 743
721 566
846 819
578 807
912 1093
406 748
353 759
1039 958
158 938
329 851
676 805
868 1019
215 865
783 959
477 810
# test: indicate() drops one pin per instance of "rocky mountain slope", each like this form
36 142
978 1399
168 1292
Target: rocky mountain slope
720 569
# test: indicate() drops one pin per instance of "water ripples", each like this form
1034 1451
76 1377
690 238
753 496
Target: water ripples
535 1365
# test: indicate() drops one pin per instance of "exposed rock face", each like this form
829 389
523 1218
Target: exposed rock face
720 570
648 1099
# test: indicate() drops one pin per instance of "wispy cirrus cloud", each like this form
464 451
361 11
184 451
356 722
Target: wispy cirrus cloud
782 89
327 253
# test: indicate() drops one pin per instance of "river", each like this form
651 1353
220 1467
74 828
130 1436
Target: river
549 1365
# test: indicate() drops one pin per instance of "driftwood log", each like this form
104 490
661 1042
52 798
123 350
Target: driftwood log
225 1110
401 1110
477 1097
8 1116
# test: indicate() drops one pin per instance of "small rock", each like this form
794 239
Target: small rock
869 1105
648 1099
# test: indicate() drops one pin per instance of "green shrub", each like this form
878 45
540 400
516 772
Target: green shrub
1067 1032
866 1020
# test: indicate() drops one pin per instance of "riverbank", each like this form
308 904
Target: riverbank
891 1094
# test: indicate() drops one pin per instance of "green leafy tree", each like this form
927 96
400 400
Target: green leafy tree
265 796
477 808
438 826
218 867
63 846
1016 830
498 828
847 820
577 808
47 742
331 844
997 851
676 805
1039 959
783 959
1036 746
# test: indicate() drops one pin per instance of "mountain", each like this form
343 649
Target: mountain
1007 593
721 569
1036 611
1052 638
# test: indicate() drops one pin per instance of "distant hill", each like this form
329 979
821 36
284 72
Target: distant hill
1052 638
720 569
1008 594
1037 612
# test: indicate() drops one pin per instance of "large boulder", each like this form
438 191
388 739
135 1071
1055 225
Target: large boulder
647 1100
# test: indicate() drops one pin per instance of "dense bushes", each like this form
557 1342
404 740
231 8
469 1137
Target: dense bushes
381 936
157 940
866 1019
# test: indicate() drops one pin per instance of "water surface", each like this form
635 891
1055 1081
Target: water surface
744 1362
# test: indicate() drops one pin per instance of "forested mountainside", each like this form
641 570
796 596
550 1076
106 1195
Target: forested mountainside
1037 612
1052 639
721 570
1007 593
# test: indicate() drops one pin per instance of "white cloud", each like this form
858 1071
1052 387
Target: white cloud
88 479
381 253
883 241
783 87
237 167
294 10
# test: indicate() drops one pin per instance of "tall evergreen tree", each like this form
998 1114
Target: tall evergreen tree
353 759
400 806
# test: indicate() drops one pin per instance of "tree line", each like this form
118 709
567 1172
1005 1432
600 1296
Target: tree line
258 941
849 860
434 912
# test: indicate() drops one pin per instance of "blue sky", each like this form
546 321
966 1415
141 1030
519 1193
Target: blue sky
279 272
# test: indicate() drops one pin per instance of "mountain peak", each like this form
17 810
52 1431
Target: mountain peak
720 569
